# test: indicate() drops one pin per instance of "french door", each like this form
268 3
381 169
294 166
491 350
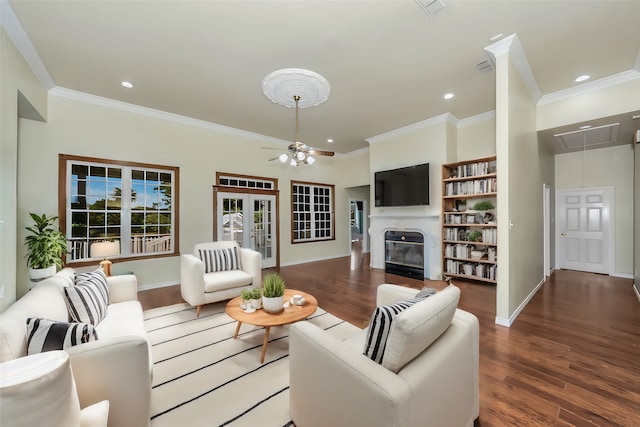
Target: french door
584 229
250 220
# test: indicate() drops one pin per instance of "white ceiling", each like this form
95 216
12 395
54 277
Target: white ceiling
388 62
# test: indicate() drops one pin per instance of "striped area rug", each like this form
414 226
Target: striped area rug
204 377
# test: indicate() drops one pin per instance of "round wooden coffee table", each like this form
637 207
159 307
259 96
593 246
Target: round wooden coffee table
290 314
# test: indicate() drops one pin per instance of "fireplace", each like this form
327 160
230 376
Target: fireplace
404 253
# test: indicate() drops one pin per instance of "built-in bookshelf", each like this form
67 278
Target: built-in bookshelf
469 226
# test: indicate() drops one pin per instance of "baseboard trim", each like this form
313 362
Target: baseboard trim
635 288
622 275
287 264
157 285
508 322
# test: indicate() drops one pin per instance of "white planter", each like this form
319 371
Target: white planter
257 303
37 274
273 305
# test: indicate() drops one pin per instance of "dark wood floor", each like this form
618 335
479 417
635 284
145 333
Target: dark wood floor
572 358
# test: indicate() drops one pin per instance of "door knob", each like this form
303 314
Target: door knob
564 234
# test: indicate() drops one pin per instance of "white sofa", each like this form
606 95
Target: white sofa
198 287
332 383
117 367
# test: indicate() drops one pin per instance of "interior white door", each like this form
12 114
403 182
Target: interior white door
249 219
583 234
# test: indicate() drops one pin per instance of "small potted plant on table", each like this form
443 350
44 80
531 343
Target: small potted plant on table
256 298
273 293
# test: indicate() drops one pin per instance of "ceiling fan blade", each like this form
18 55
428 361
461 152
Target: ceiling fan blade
275 158
320 152
272 148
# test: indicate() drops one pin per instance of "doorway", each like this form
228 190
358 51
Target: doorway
584 229
250 220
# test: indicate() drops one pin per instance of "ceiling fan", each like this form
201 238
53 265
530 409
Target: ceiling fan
298 152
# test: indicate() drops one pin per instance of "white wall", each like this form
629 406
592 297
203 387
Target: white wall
16 78
476 140
605 167
596 100
94 130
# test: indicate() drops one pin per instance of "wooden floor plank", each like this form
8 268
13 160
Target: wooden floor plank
571 358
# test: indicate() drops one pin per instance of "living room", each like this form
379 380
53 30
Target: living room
58 120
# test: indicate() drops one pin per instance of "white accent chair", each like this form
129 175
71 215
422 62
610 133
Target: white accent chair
332 383
199 288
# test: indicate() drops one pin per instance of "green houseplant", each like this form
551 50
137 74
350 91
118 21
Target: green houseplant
475 236
46 246
273 293
483 206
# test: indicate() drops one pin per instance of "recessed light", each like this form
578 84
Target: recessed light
496 37
585 127
448 95
128 85
582 78
329 140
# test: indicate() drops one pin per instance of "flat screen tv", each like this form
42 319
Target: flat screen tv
408 186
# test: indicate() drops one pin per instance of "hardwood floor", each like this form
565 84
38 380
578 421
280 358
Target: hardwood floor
572 357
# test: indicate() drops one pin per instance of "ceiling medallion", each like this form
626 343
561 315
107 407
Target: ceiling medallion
283 85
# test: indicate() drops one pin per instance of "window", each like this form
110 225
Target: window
132 203
312 212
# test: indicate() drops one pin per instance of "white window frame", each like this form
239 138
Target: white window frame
149 246
318 212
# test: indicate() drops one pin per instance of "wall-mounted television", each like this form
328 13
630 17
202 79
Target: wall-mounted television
408 186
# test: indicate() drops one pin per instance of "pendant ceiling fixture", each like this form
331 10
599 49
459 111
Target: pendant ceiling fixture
297 88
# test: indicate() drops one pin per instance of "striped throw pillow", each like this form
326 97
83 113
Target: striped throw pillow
220 259
88 299
380 326
47 335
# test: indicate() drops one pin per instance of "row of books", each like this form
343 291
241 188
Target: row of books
484 271
464 251
475 169
475 186
489 235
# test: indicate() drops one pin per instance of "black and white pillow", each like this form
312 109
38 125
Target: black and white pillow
88 299
380 326
220 259
47 335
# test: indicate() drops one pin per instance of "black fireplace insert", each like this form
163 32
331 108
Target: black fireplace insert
404 253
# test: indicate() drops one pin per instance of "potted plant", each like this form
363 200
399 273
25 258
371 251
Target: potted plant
45 247
475 236
256 298
273 293
246 298
483 206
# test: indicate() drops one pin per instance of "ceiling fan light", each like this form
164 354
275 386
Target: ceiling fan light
283 157
300 155
310 160
293 162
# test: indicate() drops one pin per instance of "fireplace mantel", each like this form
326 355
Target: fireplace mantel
428 225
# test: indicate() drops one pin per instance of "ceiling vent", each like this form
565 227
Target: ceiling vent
432 7
588 138
485 66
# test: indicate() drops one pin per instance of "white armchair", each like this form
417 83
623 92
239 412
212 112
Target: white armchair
227 269
438 387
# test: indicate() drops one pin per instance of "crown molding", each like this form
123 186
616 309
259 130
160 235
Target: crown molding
16 33
442 118
489 115
158 114
512 46
605 82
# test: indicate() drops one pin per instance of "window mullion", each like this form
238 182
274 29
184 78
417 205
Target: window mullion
125 213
